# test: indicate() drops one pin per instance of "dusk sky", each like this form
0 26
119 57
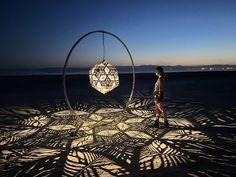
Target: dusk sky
37 34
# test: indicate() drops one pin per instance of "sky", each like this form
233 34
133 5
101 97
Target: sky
40 33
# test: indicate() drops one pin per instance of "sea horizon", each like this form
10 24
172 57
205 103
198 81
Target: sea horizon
142 69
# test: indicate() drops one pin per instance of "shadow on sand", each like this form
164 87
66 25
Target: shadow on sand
103 139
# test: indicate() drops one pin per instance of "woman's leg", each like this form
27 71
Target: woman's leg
162 109
158 111
158 114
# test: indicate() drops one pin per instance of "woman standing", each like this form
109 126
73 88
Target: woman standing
158 96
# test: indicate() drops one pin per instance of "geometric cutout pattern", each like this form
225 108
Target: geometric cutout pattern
104 77
104 140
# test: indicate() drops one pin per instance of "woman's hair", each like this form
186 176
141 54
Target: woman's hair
159 68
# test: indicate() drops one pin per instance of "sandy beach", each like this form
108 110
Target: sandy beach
38 137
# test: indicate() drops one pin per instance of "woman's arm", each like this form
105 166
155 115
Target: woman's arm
157 87
160 85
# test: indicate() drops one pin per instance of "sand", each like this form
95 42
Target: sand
38 137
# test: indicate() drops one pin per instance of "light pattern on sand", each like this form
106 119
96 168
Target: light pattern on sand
61 127
109 141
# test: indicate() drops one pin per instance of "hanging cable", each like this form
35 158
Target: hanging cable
103 44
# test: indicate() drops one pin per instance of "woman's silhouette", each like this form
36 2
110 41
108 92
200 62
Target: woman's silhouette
159 96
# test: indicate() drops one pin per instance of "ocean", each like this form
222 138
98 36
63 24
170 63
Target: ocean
209 88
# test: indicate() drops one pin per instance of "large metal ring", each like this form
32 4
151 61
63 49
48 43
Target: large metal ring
68 57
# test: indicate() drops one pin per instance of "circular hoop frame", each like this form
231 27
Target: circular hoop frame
68 57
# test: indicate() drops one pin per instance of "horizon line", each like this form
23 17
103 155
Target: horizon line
151 65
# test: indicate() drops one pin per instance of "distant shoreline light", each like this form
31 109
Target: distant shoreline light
121 70
83 73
